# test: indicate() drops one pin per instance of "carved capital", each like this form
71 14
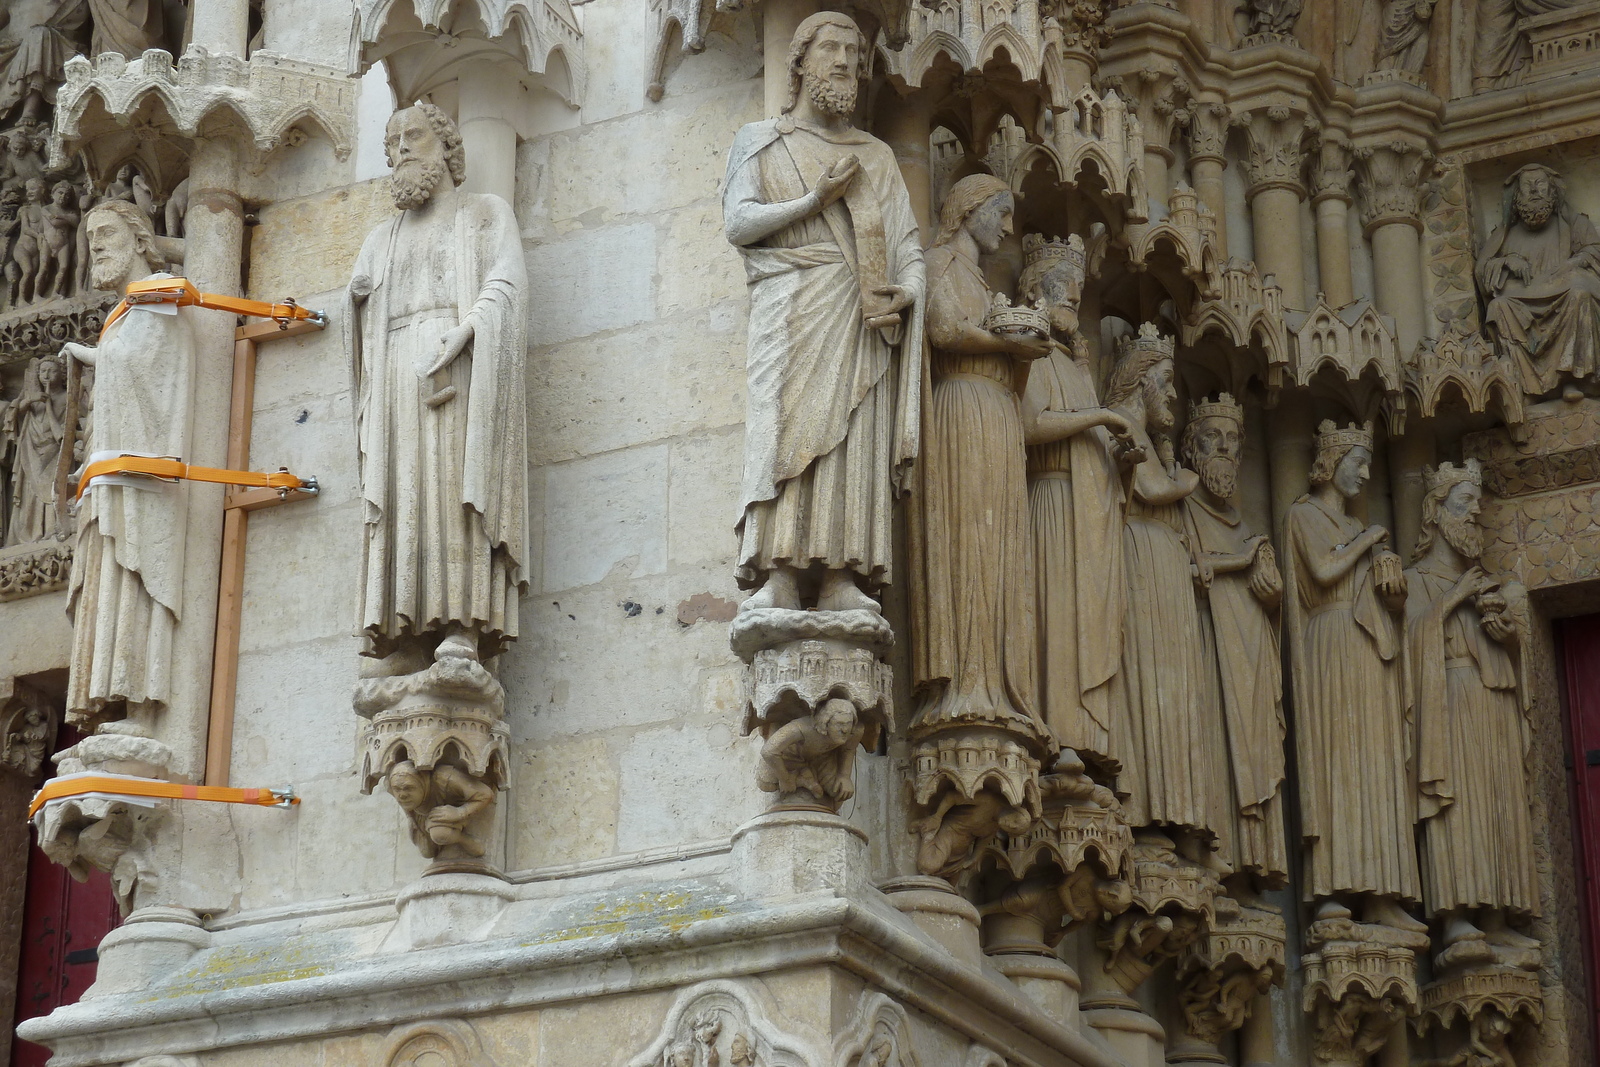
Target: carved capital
1360 978
1208 131
1391 183
1081 23
1331 175
1159 99
1276 155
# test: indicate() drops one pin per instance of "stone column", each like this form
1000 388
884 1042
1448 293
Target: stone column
1080 25
1257 1045
1330 179
907 128
1390 176
220 26
489 141
1157 98
1274 135
1208 138
1289 452
779 20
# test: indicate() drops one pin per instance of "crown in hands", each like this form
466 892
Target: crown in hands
1037 248
1447 475
1223 407
1003 318
1329 435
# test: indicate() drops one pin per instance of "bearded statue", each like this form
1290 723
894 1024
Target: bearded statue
1540 272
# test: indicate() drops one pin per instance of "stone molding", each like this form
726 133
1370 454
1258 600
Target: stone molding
41 330
32 569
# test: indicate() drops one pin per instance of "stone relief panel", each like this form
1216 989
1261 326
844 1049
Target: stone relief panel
880 1036
435 1044
722 1022
27 730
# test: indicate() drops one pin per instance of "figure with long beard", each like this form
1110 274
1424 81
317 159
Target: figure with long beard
1466 635
1540 272
436 334
1240 590
833 258
1168 733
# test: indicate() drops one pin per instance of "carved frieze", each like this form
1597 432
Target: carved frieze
1241 955
27 730
1542 518
1447 231
27 570
719 1022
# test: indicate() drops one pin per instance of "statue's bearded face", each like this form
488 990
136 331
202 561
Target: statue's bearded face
1353 471
831 70
1062 290
1535 200
1217 444
113 251
418 158
1458 520
1159 396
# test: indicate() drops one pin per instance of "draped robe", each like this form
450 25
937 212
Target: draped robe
1353 727
445 485
126 586
1076 502
834 407
1552 321
1473 741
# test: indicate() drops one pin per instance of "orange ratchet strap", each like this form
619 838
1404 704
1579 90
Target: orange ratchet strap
172 469
145 787
181 291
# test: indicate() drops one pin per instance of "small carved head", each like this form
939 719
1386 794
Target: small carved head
1052 277
408 785
423 146
982 205
1343 456
50 374
1213 441
61 193
825 59
34 189
837 720
1535 193
122 246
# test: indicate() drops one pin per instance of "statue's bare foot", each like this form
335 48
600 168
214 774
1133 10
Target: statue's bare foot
457 645
1386 911
1332 909
1460 929
841 593
1571 393
780 591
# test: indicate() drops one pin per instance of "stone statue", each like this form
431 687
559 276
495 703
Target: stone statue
60 218
1075 494
439 805
1358 797
811 759
1540 273
1241 590
37 37
1273 16
36 425
437 319
1466 637
127 569
1167 732
1500 51
27 250
1403 35
127 27
833 259
974 660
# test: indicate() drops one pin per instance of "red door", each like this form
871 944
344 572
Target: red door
1580 639
62 923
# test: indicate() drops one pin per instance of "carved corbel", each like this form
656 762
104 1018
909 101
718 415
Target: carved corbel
1241 956
1159 98
1360 979
1173 903
1274 139
1492 1001
1391 183
1331 174
816 689
1209 123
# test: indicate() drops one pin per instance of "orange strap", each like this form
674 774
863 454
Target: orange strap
173 469
143 787
181 291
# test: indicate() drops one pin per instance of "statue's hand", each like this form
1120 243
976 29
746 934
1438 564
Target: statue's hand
451 345
888 317
1499 628
835 182
360 287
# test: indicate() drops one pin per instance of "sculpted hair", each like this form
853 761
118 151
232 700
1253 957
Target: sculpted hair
144 237
1513 189
1129 375
444 128
968 195
1327 462
1431 505
807 32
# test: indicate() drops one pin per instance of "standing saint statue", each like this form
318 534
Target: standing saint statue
1241 589
437 320
1076 503
1540 273
1358 788
833 258
1167 731
1466 638
126 584
36 425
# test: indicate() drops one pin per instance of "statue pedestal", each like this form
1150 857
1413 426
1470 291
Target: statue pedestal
447 909
149 945
1360 979
1136 1038
940 912
783 853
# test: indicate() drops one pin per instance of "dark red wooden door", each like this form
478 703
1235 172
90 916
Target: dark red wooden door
62 923
1580 639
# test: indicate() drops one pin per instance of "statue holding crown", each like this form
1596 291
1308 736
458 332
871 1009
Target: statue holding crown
1357 793
1240 591
1466 636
